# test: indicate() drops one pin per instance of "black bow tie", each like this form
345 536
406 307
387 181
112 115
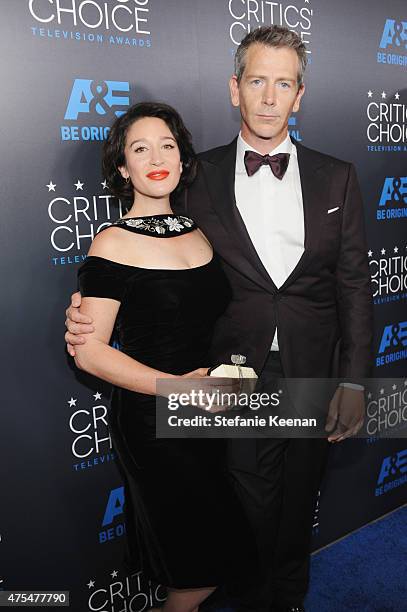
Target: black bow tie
278 163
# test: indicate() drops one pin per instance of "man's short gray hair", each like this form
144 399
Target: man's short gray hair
271 36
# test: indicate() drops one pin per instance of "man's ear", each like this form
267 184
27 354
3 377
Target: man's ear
234 90
297 102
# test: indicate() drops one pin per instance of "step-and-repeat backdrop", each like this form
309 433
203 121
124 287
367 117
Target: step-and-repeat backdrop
68 68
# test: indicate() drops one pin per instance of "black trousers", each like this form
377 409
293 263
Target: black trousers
277 481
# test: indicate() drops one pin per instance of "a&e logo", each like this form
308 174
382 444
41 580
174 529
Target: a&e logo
393 473
104 99
114 508
392 344
392 42
393 199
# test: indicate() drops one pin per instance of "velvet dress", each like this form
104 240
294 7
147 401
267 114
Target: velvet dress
184 525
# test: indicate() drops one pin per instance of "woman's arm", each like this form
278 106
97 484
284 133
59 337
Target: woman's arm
98 358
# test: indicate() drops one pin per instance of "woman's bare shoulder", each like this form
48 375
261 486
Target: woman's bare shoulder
108 243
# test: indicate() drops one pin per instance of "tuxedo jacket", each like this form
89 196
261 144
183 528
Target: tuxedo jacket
323 311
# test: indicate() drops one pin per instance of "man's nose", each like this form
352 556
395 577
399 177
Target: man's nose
269 94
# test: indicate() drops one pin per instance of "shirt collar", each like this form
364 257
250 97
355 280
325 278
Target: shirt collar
287 146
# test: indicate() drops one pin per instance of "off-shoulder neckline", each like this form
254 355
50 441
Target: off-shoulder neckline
118 263
153 216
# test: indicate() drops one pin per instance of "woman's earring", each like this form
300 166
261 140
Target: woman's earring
127 180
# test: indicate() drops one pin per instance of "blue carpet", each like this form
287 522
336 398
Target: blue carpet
366 571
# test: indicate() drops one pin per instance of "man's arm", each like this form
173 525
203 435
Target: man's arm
354 295
354 299
76 323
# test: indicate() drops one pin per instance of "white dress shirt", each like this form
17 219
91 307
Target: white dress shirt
272 211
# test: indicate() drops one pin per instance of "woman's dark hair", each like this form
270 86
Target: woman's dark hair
113 150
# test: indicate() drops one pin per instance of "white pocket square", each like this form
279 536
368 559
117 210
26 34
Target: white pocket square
331 210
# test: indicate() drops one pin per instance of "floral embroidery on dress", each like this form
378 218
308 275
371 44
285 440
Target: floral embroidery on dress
135 223
160 224
173 224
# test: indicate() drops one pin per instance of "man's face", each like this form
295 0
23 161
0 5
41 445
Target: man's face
267 95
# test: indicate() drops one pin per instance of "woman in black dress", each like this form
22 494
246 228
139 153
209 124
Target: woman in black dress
153 276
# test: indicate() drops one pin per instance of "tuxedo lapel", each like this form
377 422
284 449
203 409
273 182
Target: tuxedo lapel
315 195
220 178
218 173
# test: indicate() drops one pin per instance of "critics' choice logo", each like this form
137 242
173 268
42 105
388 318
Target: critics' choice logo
247 15
112 22
95 101
113 517
393 473
388 273
387 122
393 344
386 410
91 444
393 43
76 218
392 203
123 593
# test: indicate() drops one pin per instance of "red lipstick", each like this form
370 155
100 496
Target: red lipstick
158 175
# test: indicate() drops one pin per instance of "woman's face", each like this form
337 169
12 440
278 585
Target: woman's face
153 160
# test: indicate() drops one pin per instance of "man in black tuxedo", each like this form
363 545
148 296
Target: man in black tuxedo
287 223
289 229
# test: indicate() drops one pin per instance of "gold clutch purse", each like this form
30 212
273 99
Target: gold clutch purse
236 370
